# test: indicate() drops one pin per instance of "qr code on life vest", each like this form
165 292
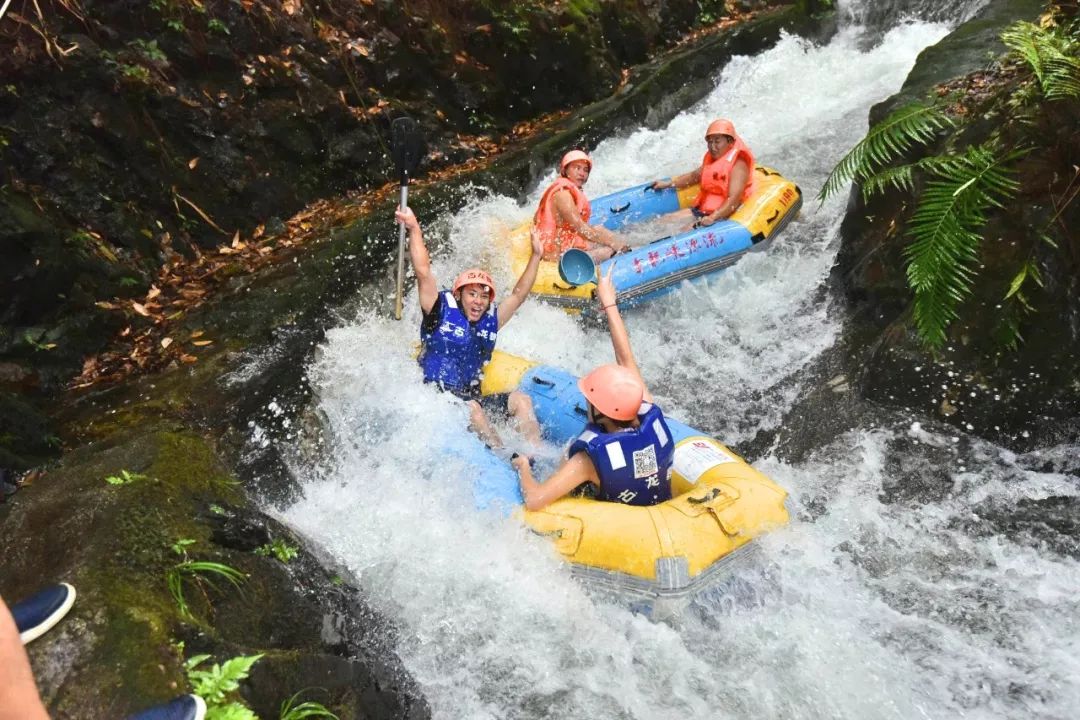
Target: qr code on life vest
645 462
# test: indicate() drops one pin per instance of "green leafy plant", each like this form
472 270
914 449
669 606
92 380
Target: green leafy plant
946 233
1052 53
215 25
199 571
35 342
125 478
218 685
149 49
911 125
292 711
280 549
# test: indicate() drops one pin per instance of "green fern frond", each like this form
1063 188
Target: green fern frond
1053 54
901 177
945 232
1022 38
912 124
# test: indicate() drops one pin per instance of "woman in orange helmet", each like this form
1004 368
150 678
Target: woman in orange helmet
626 449
562 218
725 175
458 332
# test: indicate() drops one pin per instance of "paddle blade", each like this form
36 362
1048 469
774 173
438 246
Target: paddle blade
406 146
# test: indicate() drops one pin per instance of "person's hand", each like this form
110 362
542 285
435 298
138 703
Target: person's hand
619 246
406 217
661 184
520 462
707 220
537 241
605 288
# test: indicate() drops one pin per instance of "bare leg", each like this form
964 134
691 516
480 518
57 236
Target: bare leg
599 253
521 409
19 698
479 424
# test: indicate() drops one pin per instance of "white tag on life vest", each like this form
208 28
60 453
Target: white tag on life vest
695 458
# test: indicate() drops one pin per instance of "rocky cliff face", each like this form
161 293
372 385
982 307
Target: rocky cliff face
1023 397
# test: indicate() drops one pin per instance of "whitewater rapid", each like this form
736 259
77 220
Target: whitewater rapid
895 602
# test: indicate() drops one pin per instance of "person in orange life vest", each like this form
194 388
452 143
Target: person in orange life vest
726 175
623 424
458 334
563 214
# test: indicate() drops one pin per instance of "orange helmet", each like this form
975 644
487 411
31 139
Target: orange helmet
474 276
574 156
613 390
720 127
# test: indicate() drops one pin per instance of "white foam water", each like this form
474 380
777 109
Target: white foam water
888 608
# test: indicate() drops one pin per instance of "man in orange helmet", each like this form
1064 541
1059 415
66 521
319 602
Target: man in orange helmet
626 449
458 334
726 175
562 217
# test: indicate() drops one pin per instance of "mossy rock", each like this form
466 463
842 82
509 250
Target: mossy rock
117 651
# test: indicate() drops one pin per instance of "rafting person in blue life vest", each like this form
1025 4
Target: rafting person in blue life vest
726 175
626 449
458 333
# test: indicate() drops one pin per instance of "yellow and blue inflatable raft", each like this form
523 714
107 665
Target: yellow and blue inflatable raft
658 556
654 269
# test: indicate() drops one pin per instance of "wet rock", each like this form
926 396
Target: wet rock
1021 398
115 653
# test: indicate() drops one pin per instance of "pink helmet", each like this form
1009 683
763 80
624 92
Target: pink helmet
573 156
721 127
613 390
474 276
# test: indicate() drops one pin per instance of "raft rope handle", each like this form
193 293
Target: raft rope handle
581 411
542 381
711 495
616 210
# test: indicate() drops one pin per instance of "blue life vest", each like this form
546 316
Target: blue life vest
454 354
632 464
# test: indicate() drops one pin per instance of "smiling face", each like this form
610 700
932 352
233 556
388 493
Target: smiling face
577 172
474 300
718 144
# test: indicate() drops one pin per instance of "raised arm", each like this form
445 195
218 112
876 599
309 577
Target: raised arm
427 286
521 290
620 339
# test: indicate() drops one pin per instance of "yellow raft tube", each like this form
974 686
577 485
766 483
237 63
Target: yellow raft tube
650 270
659 554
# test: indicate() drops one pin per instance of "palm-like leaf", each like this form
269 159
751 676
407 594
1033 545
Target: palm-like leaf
1053 54
886 141
945 231
901 177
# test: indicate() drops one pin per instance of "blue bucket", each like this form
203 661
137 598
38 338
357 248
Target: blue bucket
576 267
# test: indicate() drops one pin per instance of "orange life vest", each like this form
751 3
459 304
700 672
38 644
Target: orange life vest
557 236
716 177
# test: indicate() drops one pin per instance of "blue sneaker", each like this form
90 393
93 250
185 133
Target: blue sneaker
38 614
185 707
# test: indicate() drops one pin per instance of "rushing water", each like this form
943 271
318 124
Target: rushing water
901 594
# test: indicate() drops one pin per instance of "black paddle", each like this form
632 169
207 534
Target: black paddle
407 148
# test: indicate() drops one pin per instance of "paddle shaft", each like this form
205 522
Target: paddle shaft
401 255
